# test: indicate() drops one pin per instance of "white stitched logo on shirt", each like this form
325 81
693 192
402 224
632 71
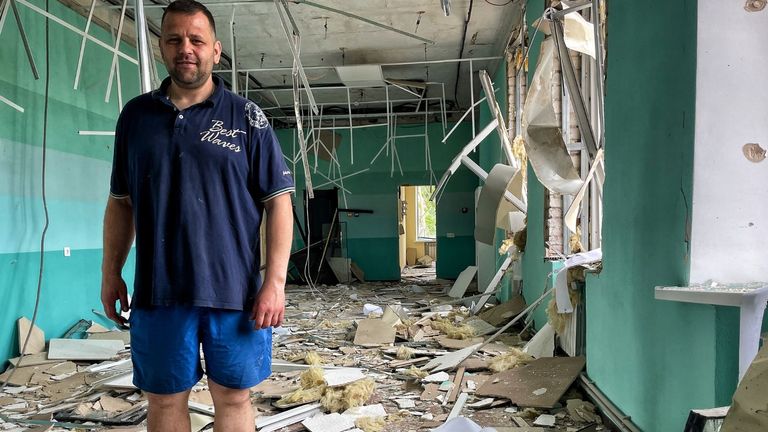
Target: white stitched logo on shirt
286 173
255 116
216 132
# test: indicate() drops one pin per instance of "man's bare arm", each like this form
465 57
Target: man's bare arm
269 307
118 238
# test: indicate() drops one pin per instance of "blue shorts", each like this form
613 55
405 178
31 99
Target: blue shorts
165 344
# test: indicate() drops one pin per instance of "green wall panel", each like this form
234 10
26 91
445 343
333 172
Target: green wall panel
654 359
70 289
77 171
373 238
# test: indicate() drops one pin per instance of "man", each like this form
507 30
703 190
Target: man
194 167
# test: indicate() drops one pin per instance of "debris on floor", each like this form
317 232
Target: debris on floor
350 357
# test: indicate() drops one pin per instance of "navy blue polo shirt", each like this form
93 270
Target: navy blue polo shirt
198 179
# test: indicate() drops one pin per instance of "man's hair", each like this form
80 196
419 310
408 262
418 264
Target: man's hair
189 7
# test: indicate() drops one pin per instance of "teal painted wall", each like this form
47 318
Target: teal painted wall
656 360
372 239
77 173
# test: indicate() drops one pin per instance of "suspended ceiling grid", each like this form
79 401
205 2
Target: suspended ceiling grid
331 39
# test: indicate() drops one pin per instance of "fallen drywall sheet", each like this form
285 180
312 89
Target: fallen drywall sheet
373 332
500 314
462 282
541 130
341 377
334 422
492 207
542 344
539 384
84 349
36 342
492 285
287 418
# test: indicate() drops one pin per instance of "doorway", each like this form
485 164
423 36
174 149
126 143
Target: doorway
417 233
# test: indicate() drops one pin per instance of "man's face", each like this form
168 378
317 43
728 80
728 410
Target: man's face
189 49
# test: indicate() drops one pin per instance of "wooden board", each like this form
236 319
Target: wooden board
523 384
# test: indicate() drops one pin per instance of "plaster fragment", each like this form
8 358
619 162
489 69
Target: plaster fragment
752 151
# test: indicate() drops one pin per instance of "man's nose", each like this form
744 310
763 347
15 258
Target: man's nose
185 46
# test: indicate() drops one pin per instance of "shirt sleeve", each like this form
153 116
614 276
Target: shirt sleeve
270 174
119 183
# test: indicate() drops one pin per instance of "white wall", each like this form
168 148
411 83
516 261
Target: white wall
730 194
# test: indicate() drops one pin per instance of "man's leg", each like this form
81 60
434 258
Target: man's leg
237 357
168 412
234 412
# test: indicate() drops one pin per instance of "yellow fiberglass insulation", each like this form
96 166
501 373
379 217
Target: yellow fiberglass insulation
313 358
404 353
370 424
452 330
509 360
351 395
312 377
416 372
302 396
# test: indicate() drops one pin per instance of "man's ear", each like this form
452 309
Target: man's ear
217 52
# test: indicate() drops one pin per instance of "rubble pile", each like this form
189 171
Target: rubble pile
347 358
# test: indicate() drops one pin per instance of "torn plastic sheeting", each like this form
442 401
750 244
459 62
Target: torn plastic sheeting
543 140
579 34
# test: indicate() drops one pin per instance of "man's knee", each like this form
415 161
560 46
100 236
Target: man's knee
168 401
225 396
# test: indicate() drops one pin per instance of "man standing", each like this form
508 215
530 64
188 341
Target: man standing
194 168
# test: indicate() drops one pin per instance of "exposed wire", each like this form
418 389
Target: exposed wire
461 54
45 209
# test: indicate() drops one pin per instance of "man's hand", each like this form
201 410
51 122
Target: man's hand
113 289
269 307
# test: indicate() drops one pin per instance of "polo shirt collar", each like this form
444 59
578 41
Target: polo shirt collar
161 94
